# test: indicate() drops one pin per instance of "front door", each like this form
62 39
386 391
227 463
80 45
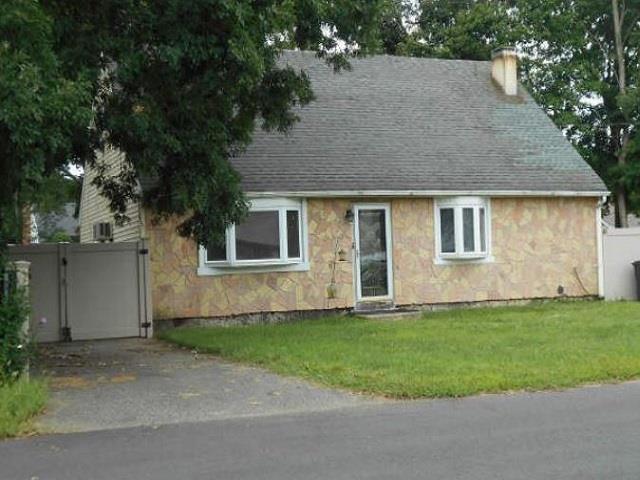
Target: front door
374 280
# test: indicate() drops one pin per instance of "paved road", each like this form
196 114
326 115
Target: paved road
591 433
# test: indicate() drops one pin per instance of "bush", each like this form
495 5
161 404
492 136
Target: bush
15 348
20 401
59 236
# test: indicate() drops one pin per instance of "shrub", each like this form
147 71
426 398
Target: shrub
59 236
15 348
20 401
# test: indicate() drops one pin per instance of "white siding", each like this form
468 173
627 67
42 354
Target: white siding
95 208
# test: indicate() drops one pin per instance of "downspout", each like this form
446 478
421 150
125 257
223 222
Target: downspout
600 246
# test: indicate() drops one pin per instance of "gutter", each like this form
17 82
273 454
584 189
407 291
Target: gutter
428 193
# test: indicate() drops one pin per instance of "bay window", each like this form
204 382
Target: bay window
462 228
271 237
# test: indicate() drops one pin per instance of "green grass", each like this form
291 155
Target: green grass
19 403
446 354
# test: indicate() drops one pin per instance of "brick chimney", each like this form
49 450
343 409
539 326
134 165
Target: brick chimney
504 69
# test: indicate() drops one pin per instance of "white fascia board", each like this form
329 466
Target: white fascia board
429 193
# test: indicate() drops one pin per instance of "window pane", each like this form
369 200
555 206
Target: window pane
293 234
258 237
483 238
447 231
216 253
468 230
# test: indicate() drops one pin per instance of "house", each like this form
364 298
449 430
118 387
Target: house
609 218
407 183
94 208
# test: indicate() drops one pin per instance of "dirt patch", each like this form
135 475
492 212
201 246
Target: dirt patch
61 383
124 378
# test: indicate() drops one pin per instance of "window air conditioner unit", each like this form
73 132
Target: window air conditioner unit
102 232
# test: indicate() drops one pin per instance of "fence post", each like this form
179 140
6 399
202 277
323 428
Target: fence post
22 282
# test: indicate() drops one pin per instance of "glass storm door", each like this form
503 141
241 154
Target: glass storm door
373 252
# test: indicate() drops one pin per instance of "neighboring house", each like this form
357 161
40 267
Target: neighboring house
94 208
50 224
609 219
408 182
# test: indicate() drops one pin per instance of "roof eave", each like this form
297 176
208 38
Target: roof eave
428 193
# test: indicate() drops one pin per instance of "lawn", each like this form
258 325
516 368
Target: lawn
19 403
445 354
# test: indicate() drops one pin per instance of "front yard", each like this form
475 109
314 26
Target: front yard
445 354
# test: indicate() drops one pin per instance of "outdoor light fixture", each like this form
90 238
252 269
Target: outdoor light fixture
348 216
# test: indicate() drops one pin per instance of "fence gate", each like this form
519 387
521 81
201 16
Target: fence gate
87 291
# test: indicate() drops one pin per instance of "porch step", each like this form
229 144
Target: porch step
364 307
391 313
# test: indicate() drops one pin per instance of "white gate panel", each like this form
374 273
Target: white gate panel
102 290
44 289
621 247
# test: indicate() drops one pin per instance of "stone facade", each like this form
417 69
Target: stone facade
538 245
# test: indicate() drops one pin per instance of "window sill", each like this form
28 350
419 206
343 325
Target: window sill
463 260
217 270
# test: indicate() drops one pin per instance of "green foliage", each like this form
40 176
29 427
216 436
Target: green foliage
178 85
393 25
467 29
15 345
43 114
182 84
572 70
59 236
56 191
20 401
446 354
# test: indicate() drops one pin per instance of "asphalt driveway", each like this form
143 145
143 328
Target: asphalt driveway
111 384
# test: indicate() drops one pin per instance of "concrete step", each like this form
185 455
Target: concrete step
387 314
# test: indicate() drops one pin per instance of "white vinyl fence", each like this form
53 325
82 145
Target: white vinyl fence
621 247
87 291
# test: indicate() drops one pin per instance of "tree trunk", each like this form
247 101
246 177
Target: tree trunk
25 225
623 134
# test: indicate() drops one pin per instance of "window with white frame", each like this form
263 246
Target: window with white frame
462 228
272 235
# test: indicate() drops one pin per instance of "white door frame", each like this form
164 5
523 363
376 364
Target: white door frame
356 236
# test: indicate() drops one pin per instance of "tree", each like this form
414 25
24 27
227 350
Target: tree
623 135
393 25
178 85
42 112
460 29
579 59
181 85
588 81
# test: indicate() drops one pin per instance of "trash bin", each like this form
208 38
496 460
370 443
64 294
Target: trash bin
636 267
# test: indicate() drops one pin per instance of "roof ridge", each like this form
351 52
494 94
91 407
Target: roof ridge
387 55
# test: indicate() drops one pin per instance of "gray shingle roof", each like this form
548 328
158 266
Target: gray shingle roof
398 124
